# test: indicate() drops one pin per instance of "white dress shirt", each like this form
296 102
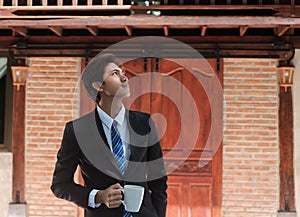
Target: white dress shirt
122 127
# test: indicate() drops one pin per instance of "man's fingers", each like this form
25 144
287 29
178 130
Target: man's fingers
114 201
114 204
115 195
116 186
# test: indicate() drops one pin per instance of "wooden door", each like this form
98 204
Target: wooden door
193 191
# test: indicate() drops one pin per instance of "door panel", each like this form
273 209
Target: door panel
175 201
193 191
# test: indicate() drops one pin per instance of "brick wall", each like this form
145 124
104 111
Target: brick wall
50 102
251 154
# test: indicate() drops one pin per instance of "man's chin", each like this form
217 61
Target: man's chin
123 95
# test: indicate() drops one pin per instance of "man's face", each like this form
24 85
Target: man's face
115 83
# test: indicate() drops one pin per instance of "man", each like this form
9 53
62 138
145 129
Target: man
90 142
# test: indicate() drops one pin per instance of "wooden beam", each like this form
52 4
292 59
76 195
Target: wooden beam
20 30
280 30
93 30
174 7
44 2
129 30
166 30
158 22
120 2
243 30
203 30
59 2
57 30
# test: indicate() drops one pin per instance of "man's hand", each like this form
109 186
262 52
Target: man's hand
111 196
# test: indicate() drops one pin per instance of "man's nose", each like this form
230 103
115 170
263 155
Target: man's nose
123 78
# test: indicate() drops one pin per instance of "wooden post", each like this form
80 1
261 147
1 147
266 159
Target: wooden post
29 2
14 3
286 144
18 143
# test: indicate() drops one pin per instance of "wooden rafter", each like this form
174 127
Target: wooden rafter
93 30
20 30
166 30
57 30
128 30
281 29
203 30
243 30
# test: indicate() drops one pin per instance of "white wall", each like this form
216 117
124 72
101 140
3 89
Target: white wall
6 182
296 101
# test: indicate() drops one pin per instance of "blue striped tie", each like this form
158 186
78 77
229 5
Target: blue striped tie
118 151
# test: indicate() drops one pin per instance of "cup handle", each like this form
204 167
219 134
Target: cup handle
122 200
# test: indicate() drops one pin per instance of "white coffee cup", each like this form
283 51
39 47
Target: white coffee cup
133 197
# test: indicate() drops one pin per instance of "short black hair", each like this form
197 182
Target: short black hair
94 72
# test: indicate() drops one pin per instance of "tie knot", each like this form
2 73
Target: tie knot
114 124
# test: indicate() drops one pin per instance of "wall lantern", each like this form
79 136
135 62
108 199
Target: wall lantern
19 75
285 74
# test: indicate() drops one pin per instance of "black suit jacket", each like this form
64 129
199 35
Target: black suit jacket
84 143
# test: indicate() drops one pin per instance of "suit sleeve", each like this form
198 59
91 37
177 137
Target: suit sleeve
63 185
156 173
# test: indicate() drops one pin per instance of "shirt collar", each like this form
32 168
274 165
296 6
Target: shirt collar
107 120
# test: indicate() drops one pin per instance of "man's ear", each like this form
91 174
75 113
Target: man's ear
97 85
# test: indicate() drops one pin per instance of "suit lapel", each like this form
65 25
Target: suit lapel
100 128
93 143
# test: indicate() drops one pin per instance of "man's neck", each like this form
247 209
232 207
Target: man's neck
112 108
